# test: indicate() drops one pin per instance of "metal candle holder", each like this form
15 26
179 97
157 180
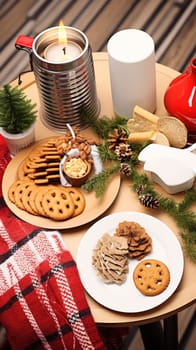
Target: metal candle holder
67 89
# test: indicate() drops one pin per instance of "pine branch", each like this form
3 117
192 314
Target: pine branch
105 153
99 182
184 218
104 125
143 180
189 198
190 246
187 221
168 205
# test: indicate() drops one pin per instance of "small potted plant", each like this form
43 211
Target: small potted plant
17 118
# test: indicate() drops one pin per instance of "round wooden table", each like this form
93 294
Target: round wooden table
185 293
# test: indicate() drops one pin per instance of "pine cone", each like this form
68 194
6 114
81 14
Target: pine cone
139 189
115 138
149 201
123 151
125 169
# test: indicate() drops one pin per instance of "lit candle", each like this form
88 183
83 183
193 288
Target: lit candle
62 50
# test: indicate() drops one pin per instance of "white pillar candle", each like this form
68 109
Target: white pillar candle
132 71
62 52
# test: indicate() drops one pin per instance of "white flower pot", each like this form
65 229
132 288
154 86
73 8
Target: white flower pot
17 142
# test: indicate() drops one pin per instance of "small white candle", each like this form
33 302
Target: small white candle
62 52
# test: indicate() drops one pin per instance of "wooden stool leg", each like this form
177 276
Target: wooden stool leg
171 333
152 336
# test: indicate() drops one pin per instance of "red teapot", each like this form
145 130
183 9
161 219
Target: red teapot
180 99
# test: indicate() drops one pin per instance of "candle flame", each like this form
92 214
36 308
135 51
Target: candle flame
62 35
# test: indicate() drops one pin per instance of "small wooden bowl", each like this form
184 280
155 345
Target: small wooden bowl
80 179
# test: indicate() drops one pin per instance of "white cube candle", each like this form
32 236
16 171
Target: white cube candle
132 71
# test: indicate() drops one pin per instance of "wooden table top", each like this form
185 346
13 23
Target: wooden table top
185 293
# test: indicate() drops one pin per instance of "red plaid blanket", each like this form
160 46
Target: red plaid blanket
42 301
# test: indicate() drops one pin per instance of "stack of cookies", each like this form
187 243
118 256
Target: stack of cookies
139 242
38 189
110 259
42 164
54 202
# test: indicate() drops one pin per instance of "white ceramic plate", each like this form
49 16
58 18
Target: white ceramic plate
126 297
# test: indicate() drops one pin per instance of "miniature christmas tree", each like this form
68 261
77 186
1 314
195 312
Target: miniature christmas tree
17 113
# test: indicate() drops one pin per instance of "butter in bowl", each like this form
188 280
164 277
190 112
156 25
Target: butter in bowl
76 171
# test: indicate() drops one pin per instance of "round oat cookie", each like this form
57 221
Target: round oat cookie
78 199
26 201
151 277
38 199
12 189
19 192
32 196
58 204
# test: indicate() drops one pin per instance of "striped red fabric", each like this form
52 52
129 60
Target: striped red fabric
42 301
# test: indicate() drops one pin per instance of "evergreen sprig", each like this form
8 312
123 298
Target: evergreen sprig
189 245
180 212
140 179
99 182
104 125
189 198
17 113
105 153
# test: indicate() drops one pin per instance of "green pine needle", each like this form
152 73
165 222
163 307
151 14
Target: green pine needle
180 212
189 246
189 198
168 205
105 153
104 125
142 179
99 182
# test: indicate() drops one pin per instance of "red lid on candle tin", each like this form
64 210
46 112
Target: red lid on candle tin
24 41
